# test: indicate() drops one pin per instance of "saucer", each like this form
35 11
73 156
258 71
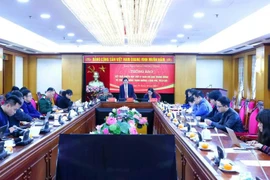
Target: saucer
233 170
207 139
203 149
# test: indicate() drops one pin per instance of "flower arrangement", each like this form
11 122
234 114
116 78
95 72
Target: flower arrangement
94 91
121 121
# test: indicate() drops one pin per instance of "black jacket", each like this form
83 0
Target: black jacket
19 116
64 102
229 119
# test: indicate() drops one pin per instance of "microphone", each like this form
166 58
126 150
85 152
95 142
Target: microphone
253 152
219 138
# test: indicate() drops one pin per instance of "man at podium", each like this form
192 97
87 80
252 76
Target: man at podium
126 90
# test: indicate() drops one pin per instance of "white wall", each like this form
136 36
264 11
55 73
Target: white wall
19 71
209 72
49 74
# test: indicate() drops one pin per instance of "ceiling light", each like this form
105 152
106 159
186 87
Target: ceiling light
71 34
187 26
198 15
110 21
174 40
180 35
79 40
23 1
45 16
60 27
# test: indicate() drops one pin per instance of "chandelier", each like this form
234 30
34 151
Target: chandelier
120 22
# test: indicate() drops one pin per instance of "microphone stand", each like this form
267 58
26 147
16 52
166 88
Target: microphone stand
252 151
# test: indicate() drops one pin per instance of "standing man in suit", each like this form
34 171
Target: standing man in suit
126 90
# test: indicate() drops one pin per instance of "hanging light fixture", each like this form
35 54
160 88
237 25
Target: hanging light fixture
120 22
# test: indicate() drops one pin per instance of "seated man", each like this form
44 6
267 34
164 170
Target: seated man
229 118
126 90
214 115
9 108
202 107
105 95
45 104
27 105
19 115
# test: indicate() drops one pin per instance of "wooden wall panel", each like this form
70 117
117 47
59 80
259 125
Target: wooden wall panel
32 75
185 76
1 71
72 74
8 74
265 69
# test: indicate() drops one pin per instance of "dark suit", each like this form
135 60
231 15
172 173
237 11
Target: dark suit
131 93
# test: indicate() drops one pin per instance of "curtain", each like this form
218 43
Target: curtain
253 77
240 79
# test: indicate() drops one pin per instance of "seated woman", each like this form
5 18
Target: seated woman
188 94
105 95
65 101
263 142
149 95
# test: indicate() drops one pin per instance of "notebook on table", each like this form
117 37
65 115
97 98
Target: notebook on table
236 142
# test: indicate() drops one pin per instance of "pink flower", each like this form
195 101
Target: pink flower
131 123
106 131
118 111
143 121
111 120
136 116
133 130
99 127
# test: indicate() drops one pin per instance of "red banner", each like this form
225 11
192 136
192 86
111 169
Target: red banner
128 59
143 76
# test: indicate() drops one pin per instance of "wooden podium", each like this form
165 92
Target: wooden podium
207 90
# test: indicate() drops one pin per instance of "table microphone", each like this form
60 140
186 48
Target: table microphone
257 178
219 137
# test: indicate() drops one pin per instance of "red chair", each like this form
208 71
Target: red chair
252 125
242 114
34 104
158 96
251 105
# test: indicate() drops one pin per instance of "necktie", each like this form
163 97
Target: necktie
126 91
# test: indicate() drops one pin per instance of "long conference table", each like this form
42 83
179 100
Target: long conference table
38 159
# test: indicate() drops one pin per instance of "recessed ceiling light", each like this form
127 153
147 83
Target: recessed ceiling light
71 34
23 1
187 26
79 40
198 15
60 27
174 40
180 35
45 16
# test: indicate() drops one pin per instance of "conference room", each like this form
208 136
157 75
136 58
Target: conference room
128 78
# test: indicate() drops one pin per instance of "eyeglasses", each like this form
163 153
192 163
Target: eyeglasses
219 106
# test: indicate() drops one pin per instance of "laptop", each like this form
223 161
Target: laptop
236 142
42 122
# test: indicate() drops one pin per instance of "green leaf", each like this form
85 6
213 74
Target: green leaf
124 127
113 127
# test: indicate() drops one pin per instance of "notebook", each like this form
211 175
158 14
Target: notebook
236 142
